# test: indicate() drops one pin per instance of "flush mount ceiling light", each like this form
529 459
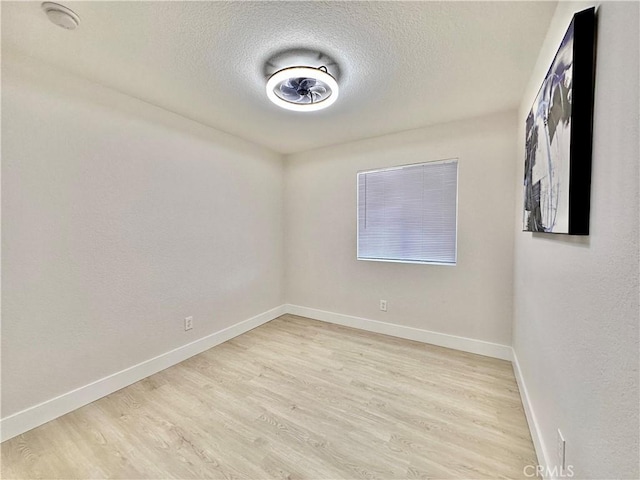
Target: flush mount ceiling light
302 89
61 15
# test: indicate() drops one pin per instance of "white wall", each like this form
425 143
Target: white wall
576 299
472 299
119 219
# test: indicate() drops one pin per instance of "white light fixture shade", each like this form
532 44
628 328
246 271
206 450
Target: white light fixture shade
316 74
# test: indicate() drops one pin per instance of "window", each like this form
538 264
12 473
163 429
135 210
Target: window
409 213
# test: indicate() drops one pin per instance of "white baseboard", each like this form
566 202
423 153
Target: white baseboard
465 344
37 415
536 436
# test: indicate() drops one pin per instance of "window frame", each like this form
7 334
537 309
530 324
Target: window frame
398 167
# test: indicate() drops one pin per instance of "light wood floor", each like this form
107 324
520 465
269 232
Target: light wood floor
295 399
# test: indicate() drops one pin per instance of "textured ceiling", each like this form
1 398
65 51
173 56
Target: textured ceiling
402 65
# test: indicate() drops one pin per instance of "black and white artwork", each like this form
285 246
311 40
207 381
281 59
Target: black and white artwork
558 137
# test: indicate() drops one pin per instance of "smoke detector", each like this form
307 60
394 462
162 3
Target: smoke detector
61 15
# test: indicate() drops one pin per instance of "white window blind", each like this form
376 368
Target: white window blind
408 213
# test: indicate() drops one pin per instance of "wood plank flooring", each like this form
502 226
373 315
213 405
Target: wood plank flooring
295 399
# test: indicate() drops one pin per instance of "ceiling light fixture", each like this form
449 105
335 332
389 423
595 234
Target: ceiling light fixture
61 15
302 89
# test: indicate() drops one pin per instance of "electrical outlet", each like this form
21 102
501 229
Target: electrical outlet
561 452
383 305
188 323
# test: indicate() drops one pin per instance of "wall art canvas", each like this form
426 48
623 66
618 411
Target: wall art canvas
557 174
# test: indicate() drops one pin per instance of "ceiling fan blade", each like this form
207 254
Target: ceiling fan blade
289 93
315 96
319 90
294 82
306 83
